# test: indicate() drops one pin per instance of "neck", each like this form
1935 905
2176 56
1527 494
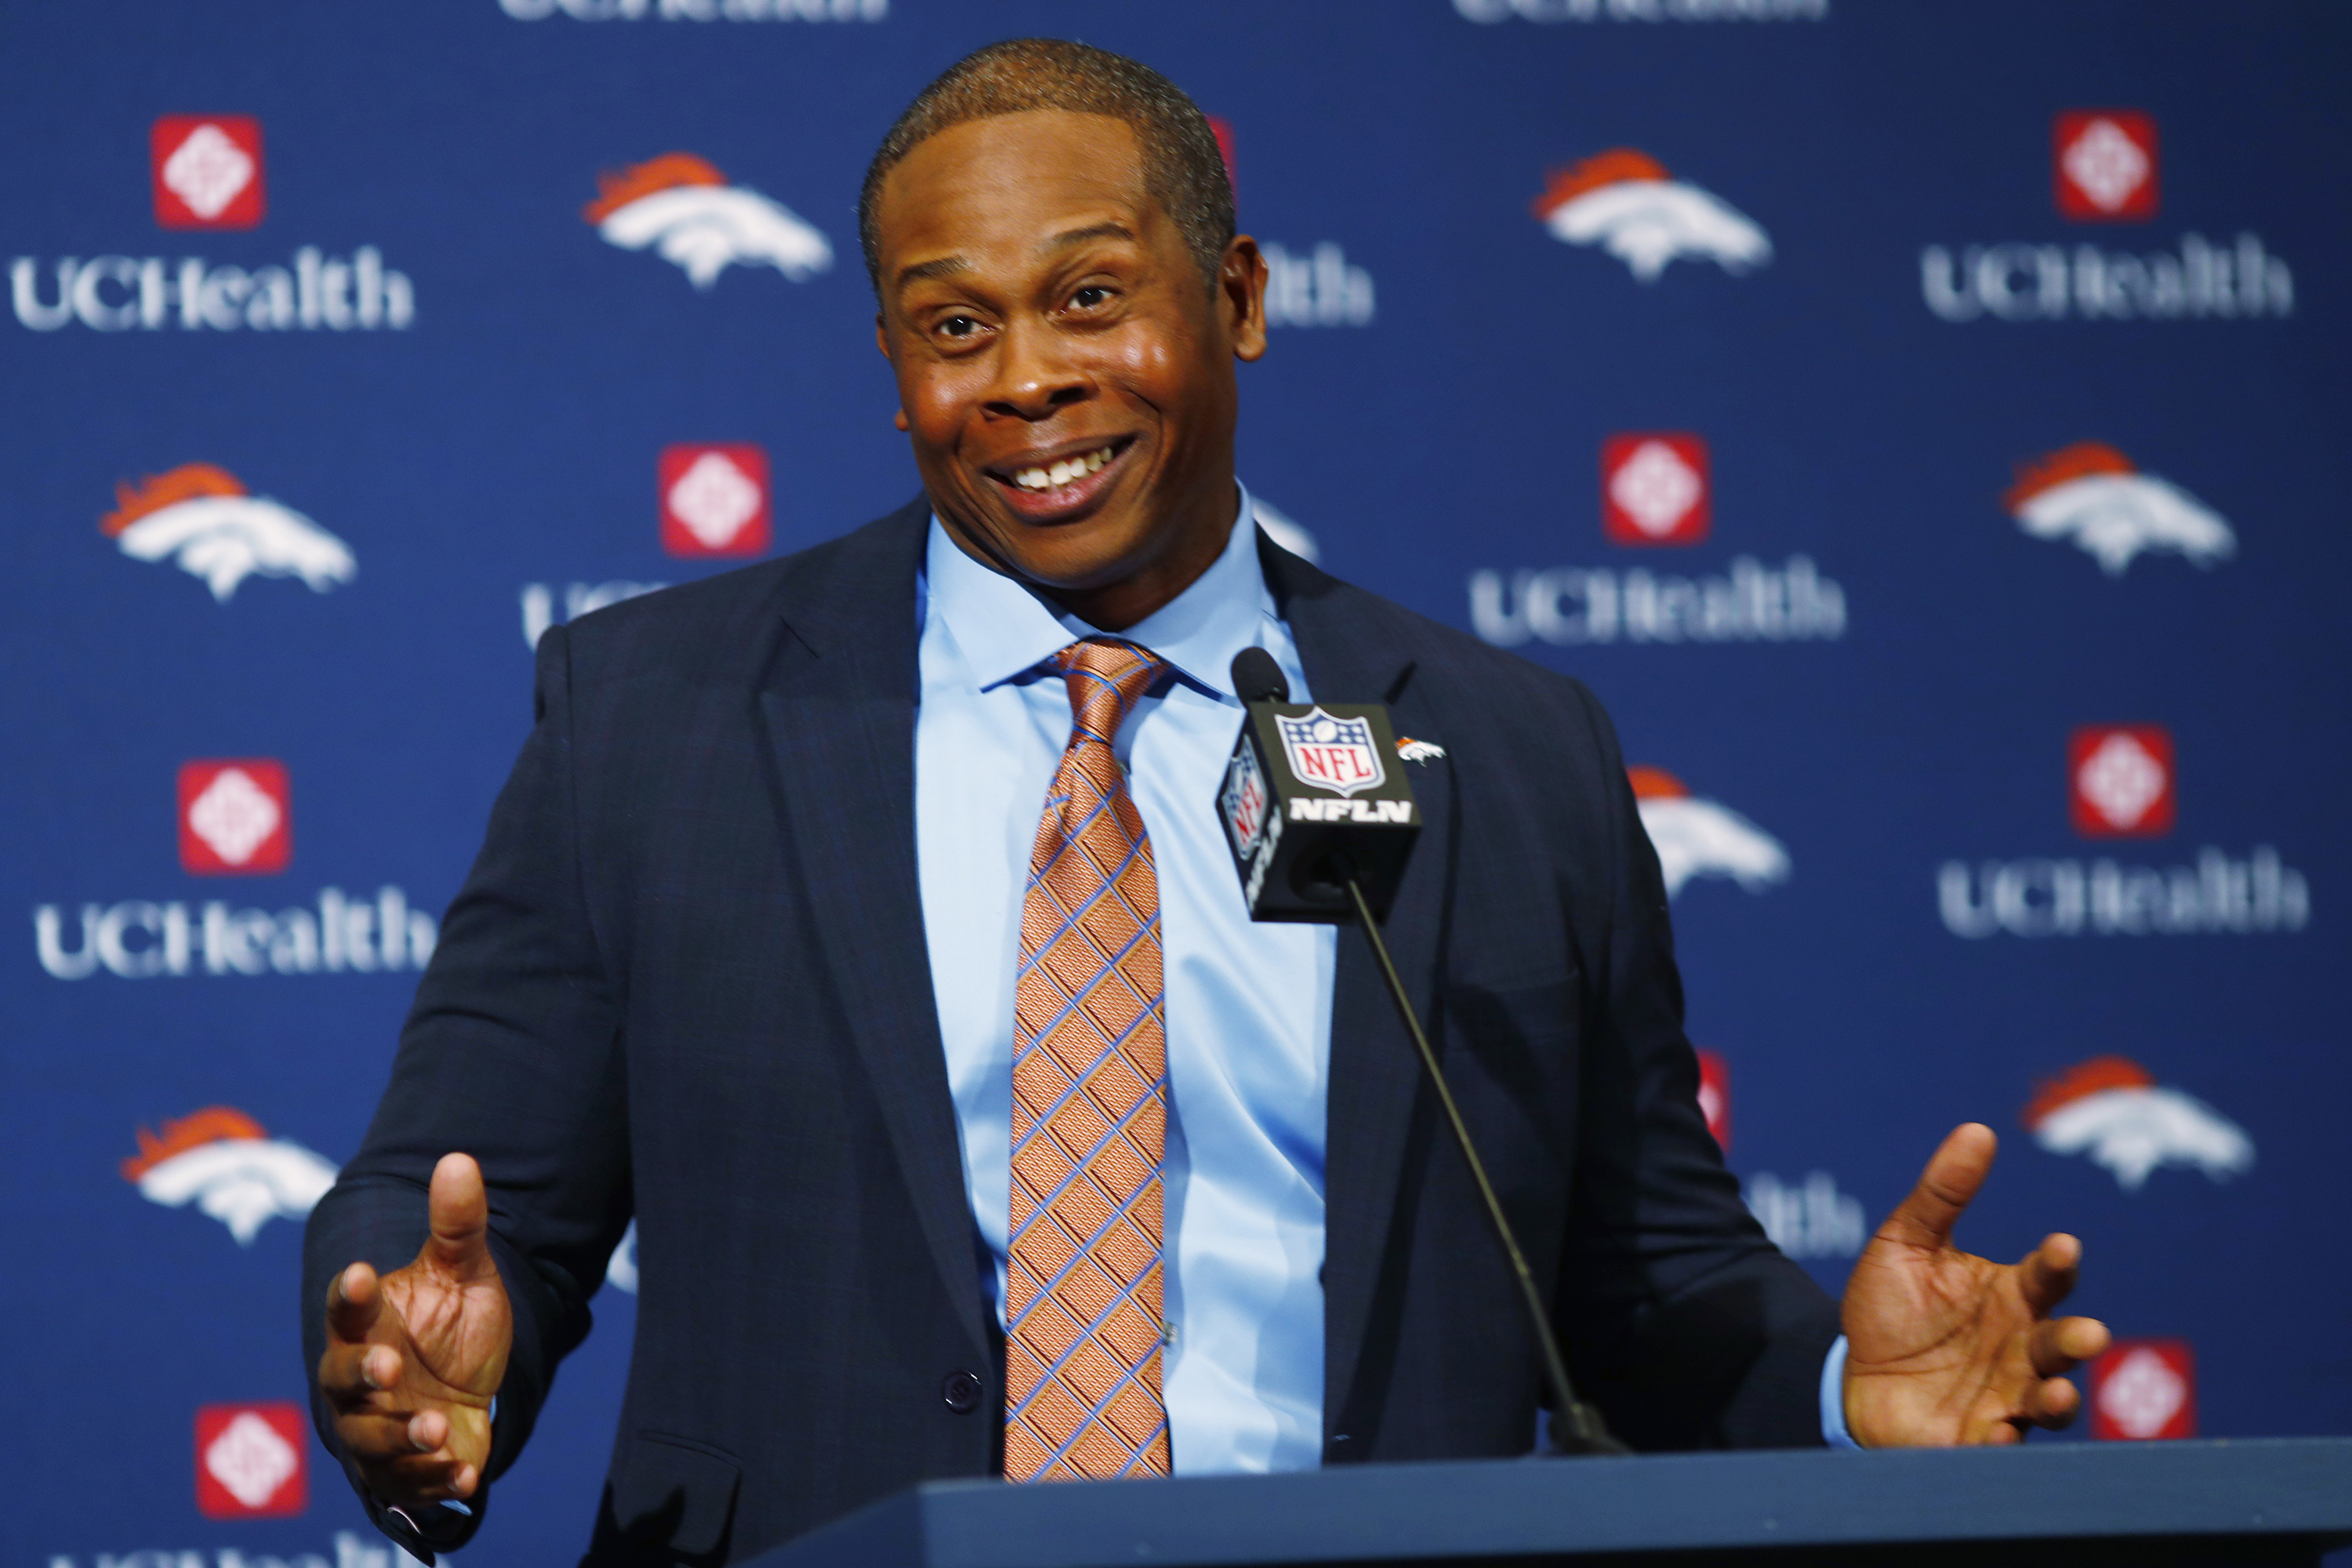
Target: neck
1114 607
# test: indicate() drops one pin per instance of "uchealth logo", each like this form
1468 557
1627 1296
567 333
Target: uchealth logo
1318 288
682 208
252 1460
2092 496
2119 781
2112 1112
2218 894
143 939
1699 838
1753 601
207 175
1808 1217
202 518
2103 164
235 818
1715 1097
1626 203
1654 489
714 500
317 292
2104 170
2143 1390
207 171
220 1161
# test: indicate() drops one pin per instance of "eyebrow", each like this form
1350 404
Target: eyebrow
946 266
1093 231
943 267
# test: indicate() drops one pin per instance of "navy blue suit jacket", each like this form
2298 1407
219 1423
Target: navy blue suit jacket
685 982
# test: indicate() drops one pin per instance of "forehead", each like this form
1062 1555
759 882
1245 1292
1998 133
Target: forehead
1002 185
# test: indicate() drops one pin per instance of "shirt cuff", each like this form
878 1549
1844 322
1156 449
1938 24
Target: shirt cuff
1834 1430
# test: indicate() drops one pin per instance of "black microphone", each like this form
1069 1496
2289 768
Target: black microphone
1313 799
1321 824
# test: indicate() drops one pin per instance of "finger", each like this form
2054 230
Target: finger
428 1429
2048 1274
459 1210
424 1478
2054 1404
354 1374
375 1436
2061 1344
415 1477
353 1300
1954 1173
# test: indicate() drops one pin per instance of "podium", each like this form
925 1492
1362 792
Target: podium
2242 1502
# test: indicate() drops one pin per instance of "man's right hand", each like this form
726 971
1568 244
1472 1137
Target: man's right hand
413 1358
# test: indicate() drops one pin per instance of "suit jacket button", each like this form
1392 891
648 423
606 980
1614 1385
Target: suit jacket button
962 1390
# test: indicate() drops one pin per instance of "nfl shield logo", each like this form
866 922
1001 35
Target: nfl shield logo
1337 754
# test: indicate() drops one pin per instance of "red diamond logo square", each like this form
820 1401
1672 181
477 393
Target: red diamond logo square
714 500
2119 781
1715 1097
2144 1389
236 818
207 171
1654 488
252 1460
2103 166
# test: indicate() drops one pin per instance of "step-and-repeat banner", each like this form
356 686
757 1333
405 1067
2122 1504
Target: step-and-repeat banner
1925 426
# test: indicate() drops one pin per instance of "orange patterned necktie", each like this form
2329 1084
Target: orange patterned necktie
1084 1321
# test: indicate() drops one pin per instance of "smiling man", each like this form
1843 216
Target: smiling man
859 924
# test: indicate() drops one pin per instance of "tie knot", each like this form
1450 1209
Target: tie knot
1106 678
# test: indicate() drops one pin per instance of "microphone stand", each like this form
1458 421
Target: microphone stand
1577 1428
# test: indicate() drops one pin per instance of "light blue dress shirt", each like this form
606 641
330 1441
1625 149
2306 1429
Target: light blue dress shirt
1248 1006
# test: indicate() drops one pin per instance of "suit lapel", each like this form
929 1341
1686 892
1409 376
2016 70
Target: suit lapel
839 711
1375 1073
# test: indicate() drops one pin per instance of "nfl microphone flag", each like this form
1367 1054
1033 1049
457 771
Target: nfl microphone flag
1309 800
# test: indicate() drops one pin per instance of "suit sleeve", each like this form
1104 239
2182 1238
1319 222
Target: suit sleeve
511 1054
1683 1323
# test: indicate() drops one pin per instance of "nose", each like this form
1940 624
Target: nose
1036 377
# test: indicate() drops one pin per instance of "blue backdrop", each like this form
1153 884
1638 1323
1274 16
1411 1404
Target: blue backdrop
1924 426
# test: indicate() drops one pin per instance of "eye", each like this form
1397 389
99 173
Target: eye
1088 298
959 327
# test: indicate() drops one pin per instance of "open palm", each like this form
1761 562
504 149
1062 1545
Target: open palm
1944 1347
414 1358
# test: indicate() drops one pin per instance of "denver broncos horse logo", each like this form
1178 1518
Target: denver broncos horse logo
1624 201
687 212
220 1160
203 518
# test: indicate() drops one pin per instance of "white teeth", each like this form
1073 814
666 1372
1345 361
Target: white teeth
1062 473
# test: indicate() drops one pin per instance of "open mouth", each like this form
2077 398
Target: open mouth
1051 486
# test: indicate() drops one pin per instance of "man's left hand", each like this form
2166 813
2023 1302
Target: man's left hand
1944 1347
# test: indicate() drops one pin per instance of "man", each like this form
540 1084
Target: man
859 924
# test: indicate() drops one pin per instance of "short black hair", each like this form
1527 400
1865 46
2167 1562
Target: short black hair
1182 168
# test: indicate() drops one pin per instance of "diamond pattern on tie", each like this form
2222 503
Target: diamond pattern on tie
1083 1304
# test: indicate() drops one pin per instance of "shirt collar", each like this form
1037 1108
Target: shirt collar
1005 629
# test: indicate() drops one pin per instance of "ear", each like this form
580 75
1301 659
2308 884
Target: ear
1241 297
